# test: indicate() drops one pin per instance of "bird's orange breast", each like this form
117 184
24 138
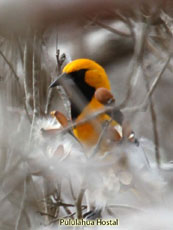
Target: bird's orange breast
89 132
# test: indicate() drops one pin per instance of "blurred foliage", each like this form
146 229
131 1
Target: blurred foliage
133 41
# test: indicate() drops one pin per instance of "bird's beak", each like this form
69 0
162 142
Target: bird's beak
56 82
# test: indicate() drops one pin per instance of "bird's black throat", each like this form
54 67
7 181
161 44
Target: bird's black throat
85 91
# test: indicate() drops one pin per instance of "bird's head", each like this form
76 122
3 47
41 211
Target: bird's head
80 79
83 72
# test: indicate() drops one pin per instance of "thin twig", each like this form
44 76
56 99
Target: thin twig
155 132
48 102
84 120
125 207
146 158
157 53
63 95
27 218
101 137
109 28
28 67
36 74
10 66
65 217
60 203
110 213
71 189
152 88
20 50
51 74
157 79
58 198
36 80
60 60
168 21
67 210
21 207
139 41
74 213
79 203
17 81
46 214
154 122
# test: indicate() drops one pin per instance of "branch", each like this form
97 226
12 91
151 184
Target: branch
168 21
130 208
152 88
154 123
17 80
88 118
79 204
101 138
36 74
139 38
109 28
21 206
60 60
36 80
63 95
28 68
20 49
158 53
155 132
10 66
71 189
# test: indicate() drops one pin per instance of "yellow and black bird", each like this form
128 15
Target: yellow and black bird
80 79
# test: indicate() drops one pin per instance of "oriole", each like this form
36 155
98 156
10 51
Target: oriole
80 79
